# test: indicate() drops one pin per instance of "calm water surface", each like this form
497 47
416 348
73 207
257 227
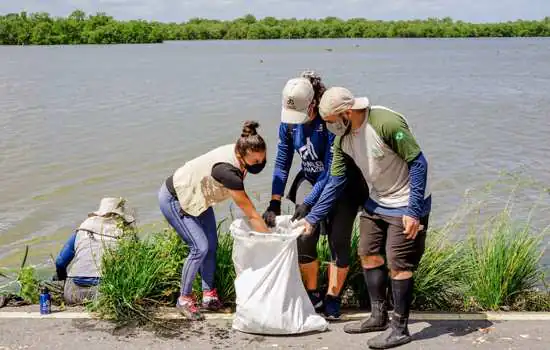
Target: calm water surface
81 122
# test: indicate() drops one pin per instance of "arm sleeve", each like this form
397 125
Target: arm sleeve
338 166
418 174
65 257
283 162
229 176
334 187
397 135
322 181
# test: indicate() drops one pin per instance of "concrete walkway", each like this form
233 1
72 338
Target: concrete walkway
34 332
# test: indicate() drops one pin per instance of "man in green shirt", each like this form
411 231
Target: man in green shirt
395 217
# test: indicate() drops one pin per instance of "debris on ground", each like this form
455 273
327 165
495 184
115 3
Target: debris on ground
486 330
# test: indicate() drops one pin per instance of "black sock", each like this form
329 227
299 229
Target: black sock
377 283
402 296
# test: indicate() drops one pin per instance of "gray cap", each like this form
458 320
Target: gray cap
297 96
338 99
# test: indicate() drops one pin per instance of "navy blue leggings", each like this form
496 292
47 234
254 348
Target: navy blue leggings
200 234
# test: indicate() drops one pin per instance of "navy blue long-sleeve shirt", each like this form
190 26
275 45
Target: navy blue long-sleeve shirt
313 143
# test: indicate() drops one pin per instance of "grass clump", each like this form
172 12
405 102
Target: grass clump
501 263
139 275
225 271
23 287
497 265
436 281
28 282
497 269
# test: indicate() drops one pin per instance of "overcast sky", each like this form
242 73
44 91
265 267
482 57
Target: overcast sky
182 10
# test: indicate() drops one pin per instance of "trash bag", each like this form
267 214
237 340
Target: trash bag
270 295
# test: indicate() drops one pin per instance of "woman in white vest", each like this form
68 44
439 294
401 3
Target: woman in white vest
79 262
186 199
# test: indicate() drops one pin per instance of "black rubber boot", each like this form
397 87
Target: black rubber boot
396 335
378 320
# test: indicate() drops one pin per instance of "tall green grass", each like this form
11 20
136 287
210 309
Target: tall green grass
501 262
139 275
437 282
498 266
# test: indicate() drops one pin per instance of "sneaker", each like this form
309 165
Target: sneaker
316 300
210 300
189 309
332 308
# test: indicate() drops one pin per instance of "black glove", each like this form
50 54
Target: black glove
60 275
301 212
272 212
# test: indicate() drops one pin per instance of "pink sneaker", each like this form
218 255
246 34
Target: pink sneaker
189 309
210 300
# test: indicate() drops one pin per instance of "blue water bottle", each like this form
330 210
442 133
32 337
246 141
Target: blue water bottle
45 301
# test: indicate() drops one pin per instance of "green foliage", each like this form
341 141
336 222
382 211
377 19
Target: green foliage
225 270
28 282
79 28
437 283
501 263
139 274
497 267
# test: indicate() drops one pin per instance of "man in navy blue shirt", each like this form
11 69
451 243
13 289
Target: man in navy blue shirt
303 131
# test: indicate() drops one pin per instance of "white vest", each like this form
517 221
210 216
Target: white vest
93 236
195 187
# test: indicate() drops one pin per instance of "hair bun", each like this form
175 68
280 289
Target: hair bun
317 83
249 128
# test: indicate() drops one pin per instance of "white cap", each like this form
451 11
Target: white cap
338 99
297 96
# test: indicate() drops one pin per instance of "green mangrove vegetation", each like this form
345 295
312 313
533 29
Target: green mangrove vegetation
79 28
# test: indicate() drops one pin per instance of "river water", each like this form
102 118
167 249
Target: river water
81 122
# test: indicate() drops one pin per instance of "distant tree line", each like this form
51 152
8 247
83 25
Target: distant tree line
79 28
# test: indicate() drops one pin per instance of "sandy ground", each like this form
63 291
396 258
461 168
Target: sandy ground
93 334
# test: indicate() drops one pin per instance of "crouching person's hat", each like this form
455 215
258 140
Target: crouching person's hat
113 205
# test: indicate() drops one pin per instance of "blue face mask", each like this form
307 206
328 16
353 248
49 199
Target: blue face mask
255 168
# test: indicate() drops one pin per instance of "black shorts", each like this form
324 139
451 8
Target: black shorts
383 235
338 227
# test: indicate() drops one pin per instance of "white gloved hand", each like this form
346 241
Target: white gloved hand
302 224
297 223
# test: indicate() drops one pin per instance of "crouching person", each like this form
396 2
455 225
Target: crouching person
79 262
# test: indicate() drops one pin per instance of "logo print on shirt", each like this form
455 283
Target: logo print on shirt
307 151
400 135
